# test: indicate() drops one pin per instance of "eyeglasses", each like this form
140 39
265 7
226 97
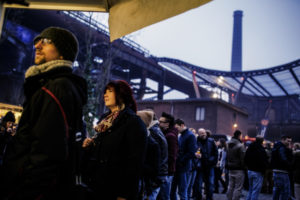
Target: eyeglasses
43 41
163 122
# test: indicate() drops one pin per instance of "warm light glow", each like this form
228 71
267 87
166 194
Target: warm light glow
215 95
235 125
220 79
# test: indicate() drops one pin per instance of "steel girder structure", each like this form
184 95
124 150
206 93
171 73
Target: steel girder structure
283 80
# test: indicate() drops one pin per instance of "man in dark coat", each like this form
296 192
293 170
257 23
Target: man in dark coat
37 164
149 118
236 166
256 160
166 124
282 163
187 149
208 158
297 170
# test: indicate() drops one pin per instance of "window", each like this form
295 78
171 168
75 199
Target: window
200 114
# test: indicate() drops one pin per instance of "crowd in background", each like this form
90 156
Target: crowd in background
184 163
134 154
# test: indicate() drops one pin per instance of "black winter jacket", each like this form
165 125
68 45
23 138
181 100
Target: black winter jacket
282 158
116 161
157 134
36 160
297 167
208 151
256 158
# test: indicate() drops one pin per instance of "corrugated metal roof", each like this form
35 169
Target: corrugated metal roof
283 80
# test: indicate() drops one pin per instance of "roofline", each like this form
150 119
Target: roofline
279 68
236 108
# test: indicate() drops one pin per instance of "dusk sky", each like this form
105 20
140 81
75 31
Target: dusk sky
203 36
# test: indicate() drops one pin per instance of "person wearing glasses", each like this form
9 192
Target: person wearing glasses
37 160
167 125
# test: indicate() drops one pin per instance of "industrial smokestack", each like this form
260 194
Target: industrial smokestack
236 57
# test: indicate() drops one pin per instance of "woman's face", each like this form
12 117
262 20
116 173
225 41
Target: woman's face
110 98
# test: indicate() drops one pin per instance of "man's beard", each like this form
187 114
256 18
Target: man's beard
39 62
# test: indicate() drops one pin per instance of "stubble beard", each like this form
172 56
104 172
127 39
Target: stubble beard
39 61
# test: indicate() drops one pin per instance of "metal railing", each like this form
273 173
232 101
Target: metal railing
98 26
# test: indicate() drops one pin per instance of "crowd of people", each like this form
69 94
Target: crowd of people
133 155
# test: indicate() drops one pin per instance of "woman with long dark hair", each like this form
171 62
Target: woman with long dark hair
117 151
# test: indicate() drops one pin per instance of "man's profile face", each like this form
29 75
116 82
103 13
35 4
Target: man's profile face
287 142
45 51
202 133
180 128
163 123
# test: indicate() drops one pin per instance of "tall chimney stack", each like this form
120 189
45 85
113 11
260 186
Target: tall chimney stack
236 57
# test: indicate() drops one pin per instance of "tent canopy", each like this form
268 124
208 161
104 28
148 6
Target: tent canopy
125 16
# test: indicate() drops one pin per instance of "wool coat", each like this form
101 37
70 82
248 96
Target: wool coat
114 163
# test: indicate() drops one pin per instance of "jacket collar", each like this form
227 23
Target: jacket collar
38 69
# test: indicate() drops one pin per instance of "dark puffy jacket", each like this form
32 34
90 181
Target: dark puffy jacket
282 158
208 151
151 165
256 158
36 157
297 167
235 155
163 145
187 149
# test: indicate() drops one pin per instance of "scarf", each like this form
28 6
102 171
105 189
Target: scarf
38 69
107 122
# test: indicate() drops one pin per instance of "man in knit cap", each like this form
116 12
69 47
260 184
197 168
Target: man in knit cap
37 164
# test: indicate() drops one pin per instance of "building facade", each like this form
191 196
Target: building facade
213 114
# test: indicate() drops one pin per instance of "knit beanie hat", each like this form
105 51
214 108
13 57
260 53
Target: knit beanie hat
65 41
9 117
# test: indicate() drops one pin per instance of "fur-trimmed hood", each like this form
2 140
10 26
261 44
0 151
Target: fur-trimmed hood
38 69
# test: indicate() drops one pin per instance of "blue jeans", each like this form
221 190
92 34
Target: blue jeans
255 184
154 194
281 189
206 175
165 188
191 181
181 181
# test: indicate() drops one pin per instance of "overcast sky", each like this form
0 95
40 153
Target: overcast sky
203 36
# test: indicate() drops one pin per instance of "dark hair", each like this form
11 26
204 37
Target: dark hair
284 137
123 92
222 142
259 139
9 117
169 118
237 134
208 132
179 122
